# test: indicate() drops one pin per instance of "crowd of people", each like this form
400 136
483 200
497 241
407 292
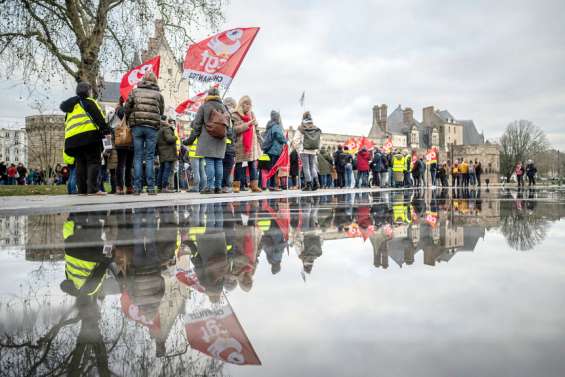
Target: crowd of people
226 152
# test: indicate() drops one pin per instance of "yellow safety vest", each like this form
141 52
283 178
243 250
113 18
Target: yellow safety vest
264 225
264 157
68 229
398 163
78 121
68 160
78 271
192 150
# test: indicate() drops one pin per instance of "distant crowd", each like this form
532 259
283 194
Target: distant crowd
136 148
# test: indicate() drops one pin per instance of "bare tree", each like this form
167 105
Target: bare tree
77 38
521 140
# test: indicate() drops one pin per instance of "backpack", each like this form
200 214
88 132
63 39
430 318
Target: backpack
311 139
217 124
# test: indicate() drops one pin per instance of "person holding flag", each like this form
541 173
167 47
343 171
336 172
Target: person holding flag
247 149
273 143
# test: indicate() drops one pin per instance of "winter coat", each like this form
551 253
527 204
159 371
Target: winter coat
338 161
298 140
240 127
531 170
145 105
88 138
208 146
273 139
363 158
166 144
294 166
325 162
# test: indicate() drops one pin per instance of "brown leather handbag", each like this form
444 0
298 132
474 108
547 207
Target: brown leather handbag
122 135
217 124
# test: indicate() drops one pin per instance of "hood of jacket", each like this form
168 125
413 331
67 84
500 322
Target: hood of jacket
68 105
144 84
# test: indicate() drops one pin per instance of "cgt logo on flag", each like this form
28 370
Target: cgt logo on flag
217 58
133 77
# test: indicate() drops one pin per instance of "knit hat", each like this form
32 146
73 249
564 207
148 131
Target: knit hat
213 91
83 89
307 118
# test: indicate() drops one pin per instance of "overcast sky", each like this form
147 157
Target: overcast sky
492 62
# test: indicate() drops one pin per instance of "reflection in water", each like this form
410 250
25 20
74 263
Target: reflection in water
132 278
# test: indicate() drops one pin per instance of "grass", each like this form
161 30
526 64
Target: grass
33 190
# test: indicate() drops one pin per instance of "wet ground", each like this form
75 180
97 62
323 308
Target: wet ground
407 283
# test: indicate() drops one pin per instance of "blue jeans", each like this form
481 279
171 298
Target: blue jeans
228 163
144 140
309 166
240 175
214 172
363 179
348 175
198 174
72 182
164 172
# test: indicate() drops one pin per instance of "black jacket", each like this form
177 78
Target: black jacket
86 138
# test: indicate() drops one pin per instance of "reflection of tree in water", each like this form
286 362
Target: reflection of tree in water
521 224
54 335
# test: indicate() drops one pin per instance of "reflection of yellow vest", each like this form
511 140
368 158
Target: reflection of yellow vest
78 121
400 213
264 225
78 271
68 229
194 231
398 163
192 150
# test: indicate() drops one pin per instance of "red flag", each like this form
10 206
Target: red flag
431 156
282 163
191 105
133 311
352 145
214 330
387 147
367 143
133 77
217 58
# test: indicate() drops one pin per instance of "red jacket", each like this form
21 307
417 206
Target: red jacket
363 158
12 171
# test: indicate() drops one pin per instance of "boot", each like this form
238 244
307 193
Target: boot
236 186
315 184
254 185
307 187
119 190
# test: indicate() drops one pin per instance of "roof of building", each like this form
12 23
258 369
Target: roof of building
470 133
395 124
110 92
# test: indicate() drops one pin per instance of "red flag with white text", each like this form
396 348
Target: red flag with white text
217 59
283 163
387 147
214 330
133 77
191 105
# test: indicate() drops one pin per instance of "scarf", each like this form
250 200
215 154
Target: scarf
247 137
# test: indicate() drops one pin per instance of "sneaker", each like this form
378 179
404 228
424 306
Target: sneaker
217 190
226 190
137 193
151 192
206 191
101 193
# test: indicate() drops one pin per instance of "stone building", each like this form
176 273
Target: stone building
46 140
488 154
13 145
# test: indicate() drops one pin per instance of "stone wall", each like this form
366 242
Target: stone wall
46 140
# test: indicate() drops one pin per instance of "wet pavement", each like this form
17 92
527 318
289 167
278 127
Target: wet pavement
401 283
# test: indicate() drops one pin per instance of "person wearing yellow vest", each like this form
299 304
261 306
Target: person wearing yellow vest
72 181
85 125
398 164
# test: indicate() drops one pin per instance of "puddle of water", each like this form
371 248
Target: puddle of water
402 283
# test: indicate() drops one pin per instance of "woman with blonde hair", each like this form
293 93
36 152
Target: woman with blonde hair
247 148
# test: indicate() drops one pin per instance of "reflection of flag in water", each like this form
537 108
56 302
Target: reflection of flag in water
431 218
282 218
133 311
214 330
354 231
190 279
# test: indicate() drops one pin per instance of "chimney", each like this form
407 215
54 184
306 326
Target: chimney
427 115
382 117
408 116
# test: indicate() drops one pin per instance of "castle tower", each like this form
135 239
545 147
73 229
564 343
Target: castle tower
379 127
